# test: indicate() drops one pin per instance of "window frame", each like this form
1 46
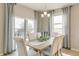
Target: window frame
62 23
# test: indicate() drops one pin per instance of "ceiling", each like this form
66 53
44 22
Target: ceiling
45 6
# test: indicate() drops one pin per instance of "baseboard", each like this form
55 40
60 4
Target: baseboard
74 49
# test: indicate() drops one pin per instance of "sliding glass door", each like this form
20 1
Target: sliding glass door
23 26
30 25
19 27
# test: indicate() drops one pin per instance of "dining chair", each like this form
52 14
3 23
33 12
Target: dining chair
60 44
22 48
56 47
38 34
32 36
52 51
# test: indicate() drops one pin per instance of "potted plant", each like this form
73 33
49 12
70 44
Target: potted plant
43 38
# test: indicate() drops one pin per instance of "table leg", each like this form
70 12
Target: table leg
40 52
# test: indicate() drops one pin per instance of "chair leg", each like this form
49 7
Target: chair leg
56 54
60 52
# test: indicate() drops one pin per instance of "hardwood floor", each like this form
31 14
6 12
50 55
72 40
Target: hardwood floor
70 52
65 52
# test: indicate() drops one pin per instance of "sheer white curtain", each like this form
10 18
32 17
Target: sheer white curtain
54 15
51 23
36 21
65 12
9 21
67 22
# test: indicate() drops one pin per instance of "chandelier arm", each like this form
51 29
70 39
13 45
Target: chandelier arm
45 12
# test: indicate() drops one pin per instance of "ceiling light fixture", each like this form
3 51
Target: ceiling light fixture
45 13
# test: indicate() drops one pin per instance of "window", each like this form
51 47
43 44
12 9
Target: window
19 26
58 24
30 25
22 26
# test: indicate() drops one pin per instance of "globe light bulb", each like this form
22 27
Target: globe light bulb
45 13
42 15
48 15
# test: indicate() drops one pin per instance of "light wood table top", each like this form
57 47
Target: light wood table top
40 45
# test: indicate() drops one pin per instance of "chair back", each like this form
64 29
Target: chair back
38 34
32 36
22 51
54 46
60 42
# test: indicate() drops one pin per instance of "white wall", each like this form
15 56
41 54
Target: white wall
1 27
75 27
23 12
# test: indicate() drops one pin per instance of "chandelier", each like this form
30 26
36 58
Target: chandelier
45 13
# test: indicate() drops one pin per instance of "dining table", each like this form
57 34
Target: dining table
40 46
